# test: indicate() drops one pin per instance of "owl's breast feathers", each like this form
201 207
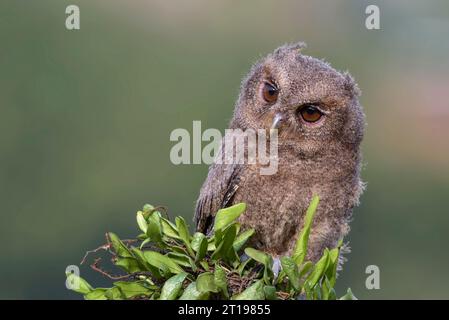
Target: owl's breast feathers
276 204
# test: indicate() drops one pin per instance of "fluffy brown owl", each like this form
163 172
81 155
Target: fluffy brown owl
320 126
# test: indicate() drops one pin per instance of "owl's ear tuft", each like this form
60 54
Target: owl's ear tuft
290 47
351 86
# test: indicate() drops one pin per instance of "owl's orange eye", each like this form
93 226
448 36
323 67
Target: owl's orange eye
270 92
310 113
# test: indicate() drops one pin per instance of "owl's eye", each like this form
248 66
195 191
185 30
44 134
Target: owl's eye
310 113
269 92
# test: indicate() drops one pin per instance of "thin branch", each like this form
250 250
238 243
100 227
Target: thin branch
95 266
103 247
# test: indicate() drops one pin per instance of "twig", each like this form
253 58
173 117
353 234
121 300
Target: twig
103 247
283 295
164 209
106 246
95 266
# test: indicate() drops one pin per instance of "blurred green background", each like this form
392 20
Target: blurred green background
85 118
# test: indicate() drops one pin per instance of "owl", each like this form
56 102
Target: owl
320 126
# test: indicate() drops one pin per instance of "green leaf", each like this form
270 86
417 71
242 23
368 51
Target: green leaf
303 272
253 292
263 258
332 294
178 249
300 250
349 295
206 283
220 280
226 216
242 266
132 289
96 294
305 268
211 245
144 263
191 293
78 284
141 222
242 239
184 234
147 208
162 262
202 251
232 258
169 229
119 247
114 293
225 245
204 265
308 291
130 265
182 259
154 230
317 293
331 271
270 293
325 288
290 268
144 242
199 245
142 236
172 287
319 269
257 255
218 238
197 238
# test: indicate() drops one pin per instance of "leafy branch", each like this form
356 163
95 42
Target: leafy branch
167 262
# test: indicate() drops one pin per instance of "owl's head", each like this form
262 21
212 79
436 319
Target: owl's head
310 103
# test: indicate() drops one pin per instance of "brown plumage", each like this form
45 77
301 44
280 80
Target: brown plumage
316 156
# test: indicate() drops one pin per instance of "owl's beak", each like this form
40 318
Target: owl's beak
277 121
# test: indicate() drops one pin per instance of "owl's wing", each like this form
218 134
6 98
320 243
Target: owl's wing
217 192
